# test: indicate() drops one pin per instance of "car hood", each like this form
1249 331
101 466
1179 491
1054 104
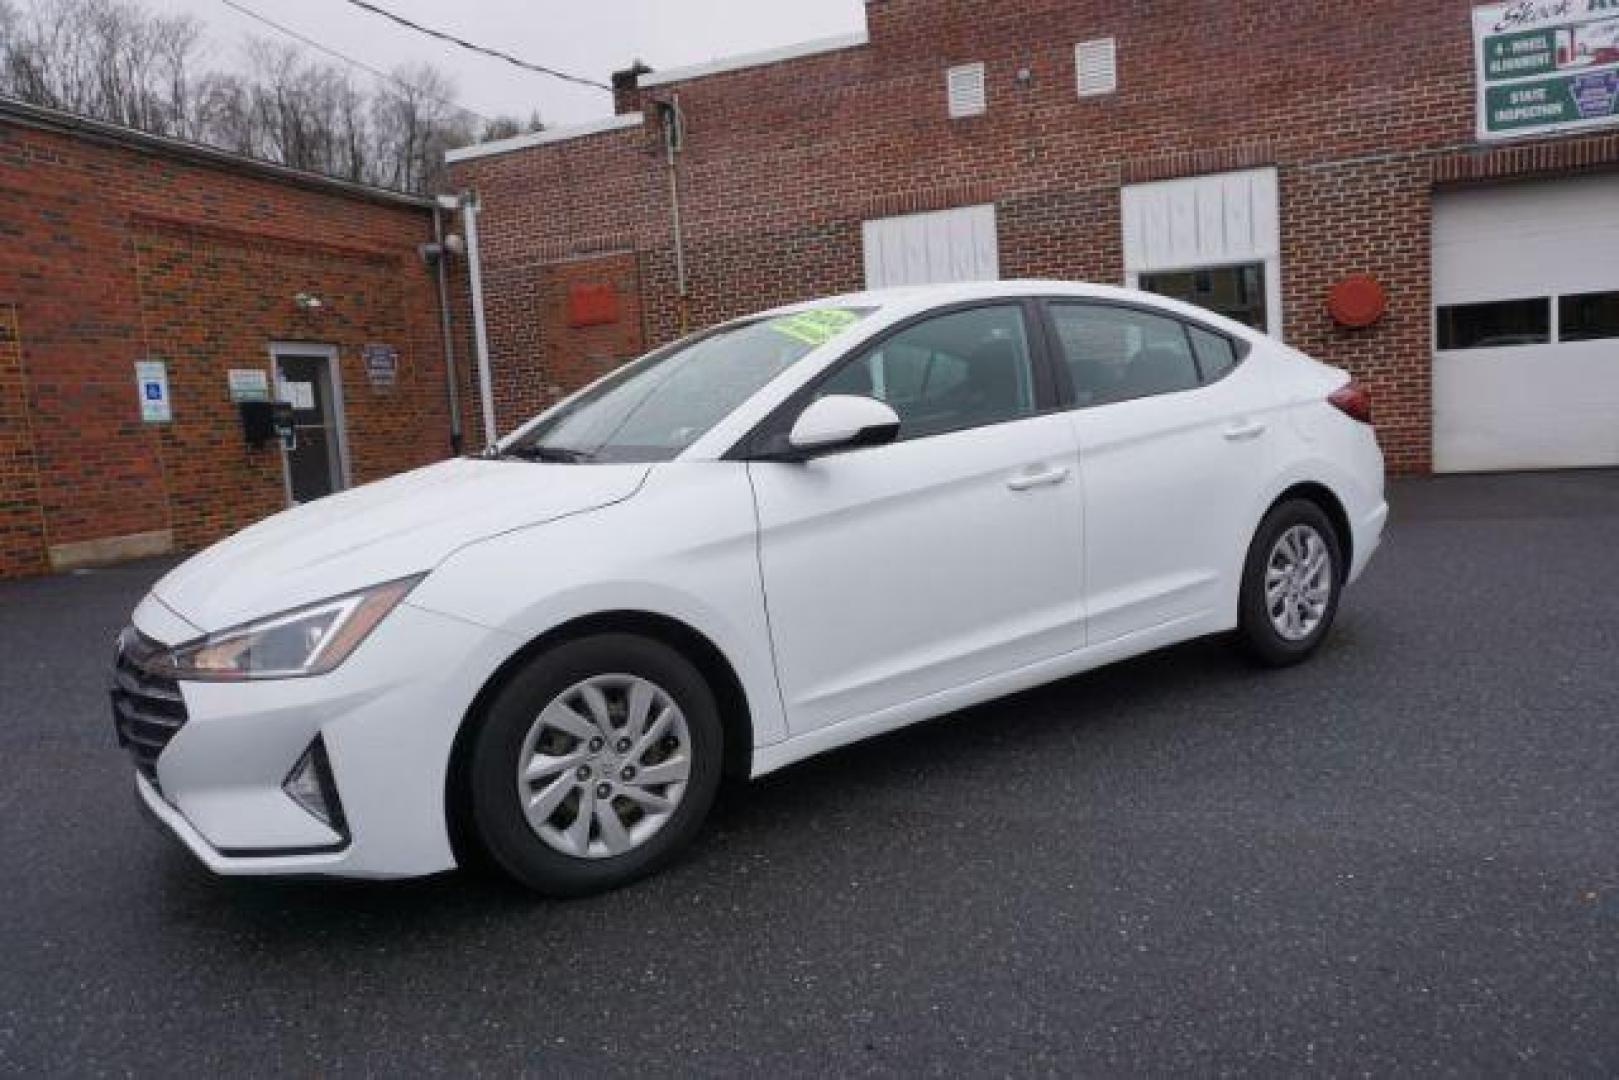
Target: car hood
380 532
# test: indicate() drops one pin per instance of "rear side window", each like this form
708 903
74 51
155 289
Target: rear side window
1215 353
1118 354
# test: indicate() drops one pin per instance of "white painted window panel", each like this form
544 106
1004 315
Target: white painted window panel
1183 231
930 248
1211 224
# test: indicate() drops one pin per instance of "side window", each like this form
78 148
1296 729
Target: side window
1215 353
961 370
1116 354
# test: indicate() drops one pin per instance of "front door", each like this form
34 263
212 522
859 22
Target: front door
315 459
953 555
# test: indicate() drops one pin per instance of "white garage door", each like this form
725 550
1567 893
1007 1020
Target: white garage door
1526 327
927 249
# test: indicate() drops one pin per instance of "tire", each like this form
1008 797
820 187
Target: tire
1287 632
548 714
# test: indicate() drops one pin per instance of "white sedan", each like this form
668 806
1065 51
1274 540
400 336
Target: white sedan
776 537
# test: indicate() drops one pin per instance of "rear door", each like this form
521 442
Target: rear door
1175 449
949 556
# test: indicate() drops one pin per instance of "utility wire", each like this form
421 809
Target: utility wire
362 65
485 50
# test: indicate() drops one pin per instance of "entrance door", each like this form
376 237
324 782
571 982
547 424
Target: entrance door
315 462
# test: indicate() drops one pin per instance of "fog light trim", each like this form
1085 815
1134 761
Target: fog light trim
311 785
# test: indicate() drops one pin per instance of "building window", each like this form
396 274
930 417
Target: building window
1588 317
1495 325
968 96
1096 66
1237 292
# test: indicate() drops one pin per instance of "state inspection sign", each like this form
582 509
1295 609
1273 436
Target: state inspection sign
1546 66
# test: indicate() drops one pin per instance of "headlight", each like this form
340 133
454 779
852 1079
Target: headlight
306 641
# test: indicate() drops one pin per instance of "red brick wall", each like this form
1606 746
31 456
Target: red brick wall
1350 101
22 528
114 254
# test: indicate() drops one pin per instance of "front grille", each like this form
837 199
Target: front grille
147 709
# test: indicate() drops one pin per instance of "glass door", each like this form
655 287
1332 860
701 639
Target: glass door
315 460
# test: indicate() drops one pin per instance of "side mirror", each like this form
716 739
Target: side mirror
842 422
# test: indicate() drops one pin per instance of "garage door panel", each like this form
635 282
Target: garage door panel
1531 406
1535 266
1499 409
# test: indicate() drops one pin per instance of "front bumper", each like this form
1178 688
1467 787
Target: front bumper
387 719
171 820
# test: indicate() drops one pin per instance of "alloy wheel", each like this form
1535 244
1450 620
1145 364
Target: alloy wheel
604 766
1298 582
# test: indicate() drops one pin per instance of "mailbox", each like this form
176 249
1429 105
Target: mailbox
263 421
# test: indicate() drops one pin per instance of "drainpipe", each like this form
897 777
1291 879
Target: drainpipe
453 390
486 391
669 112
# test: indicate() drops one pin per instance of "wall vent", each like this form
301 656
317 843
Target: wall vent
1097 65
967 94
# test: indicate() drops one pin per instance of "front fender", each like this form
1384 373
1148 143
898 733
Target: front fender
684 548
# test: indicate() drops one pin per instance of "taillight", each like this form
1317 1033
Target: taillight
1353 400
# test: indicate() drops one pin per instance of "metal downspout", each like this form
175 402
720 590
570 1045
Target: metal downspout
451 387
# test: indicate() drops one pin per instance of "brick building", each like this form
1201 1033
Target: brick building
1248 155
237 280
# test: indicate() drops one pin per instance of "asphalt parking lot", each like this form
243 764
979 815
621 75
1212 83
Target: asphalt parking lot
1401 857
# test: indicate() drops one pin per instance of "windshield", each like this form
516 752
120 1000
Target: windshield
654 408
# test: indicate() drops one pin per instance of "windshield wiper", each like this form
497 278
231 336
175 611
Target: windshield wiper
539 452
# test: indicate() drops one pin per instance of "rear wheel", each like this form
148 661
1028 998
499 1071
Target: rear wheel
596 764
1290 584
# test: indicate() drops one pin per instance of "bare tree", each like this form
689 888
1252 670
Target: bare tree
113 60
414 124
106 58
507 127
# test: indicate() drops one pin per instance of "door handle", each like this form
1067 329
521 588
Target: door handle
1028 481
1252 429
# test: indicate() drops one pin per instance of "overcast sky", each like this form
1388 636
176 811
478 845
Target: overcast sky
587 37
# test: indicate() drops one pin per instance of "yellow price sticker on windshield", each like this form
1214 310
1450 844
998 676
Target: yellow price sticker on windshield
815 327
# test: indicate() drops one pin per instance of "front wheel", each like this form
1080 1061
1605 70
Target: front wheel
596 764
1290 584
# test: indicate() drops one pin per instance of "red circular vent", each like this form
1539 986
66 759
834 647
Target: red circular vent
1358 300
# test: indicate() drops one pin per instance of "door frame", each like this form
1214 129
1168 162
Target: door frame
334 376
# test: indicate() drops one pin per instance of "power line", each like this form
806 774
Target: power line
496 53
362 65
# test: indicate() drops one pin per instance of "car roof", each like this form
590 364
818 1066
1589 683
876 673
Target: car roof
908 299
